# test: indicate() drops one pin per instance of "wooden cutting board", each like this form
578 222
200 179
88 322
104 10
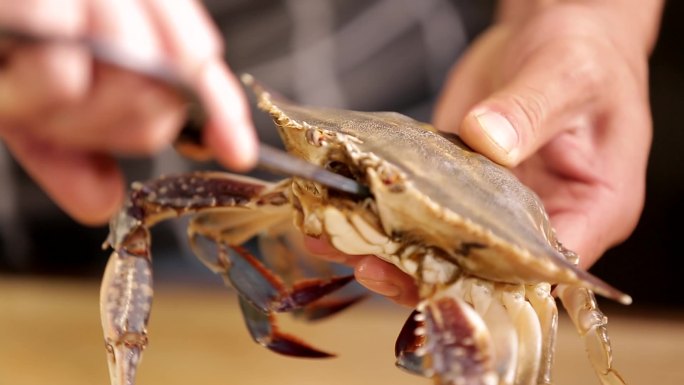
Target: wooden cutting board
50 335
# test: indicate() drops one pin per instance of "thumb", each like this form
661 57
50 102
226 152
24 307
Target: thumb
547 95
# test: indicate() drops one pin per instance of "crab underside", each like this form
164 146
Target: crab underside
477 242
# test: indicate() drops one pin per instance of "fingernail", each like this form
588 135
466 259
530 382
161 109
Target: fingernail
499 130
381 287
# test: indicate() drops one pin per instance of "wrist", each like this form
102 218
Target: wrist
640 19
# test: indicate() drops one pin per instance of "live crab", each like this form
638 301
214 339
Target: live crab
477 242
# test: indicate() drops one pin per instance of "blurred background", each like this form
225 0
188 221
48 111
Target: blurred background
366 55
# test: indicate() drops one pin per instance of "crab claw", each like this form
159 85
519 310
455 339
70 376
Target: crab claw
267 292
325 308
409 342
263 330
262 293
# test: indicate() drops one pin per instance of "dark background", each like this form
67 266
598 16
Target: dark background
43 241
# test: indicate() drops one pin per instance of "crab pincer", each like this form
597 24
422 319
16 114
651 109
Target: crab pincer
458 349
262 294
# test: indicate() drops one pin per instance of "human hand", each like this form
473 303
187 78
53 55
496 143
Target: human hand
560 95
375 274
64 118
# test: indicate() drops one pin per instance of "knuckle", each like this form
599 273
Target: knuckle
531 109
43 77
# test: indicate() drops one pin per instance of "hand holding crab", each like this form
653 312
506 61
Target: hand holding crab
64 116
559 93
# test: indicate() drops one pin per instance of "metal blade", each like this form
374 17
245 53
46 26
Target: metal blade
282 162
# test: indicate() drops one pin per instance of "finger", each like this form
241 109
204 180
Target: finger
110 122
571 228
589 233
197 52
589 214
124 25
230 133
86 186
187 33
39 16
372 272
386 279
594 213
538 101
35 76
38 77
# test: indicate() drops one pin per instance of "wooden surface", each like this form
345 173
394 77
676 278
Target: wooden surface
50 334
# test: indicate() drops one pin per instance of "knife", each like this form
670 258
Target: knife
270 158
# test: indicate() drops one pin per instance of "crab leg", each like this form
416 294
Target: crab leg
529 333
545 306
263 329
126 292
591 325
504 338
261 292
125 301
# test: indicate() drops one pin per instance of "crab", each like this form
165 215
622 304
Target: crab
477 242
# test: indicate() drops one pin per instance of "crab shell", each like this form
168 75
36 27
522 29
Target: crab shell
431 189
477 242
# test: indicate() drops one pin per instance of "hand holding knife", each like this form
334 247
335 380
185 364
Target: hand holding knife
269 157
